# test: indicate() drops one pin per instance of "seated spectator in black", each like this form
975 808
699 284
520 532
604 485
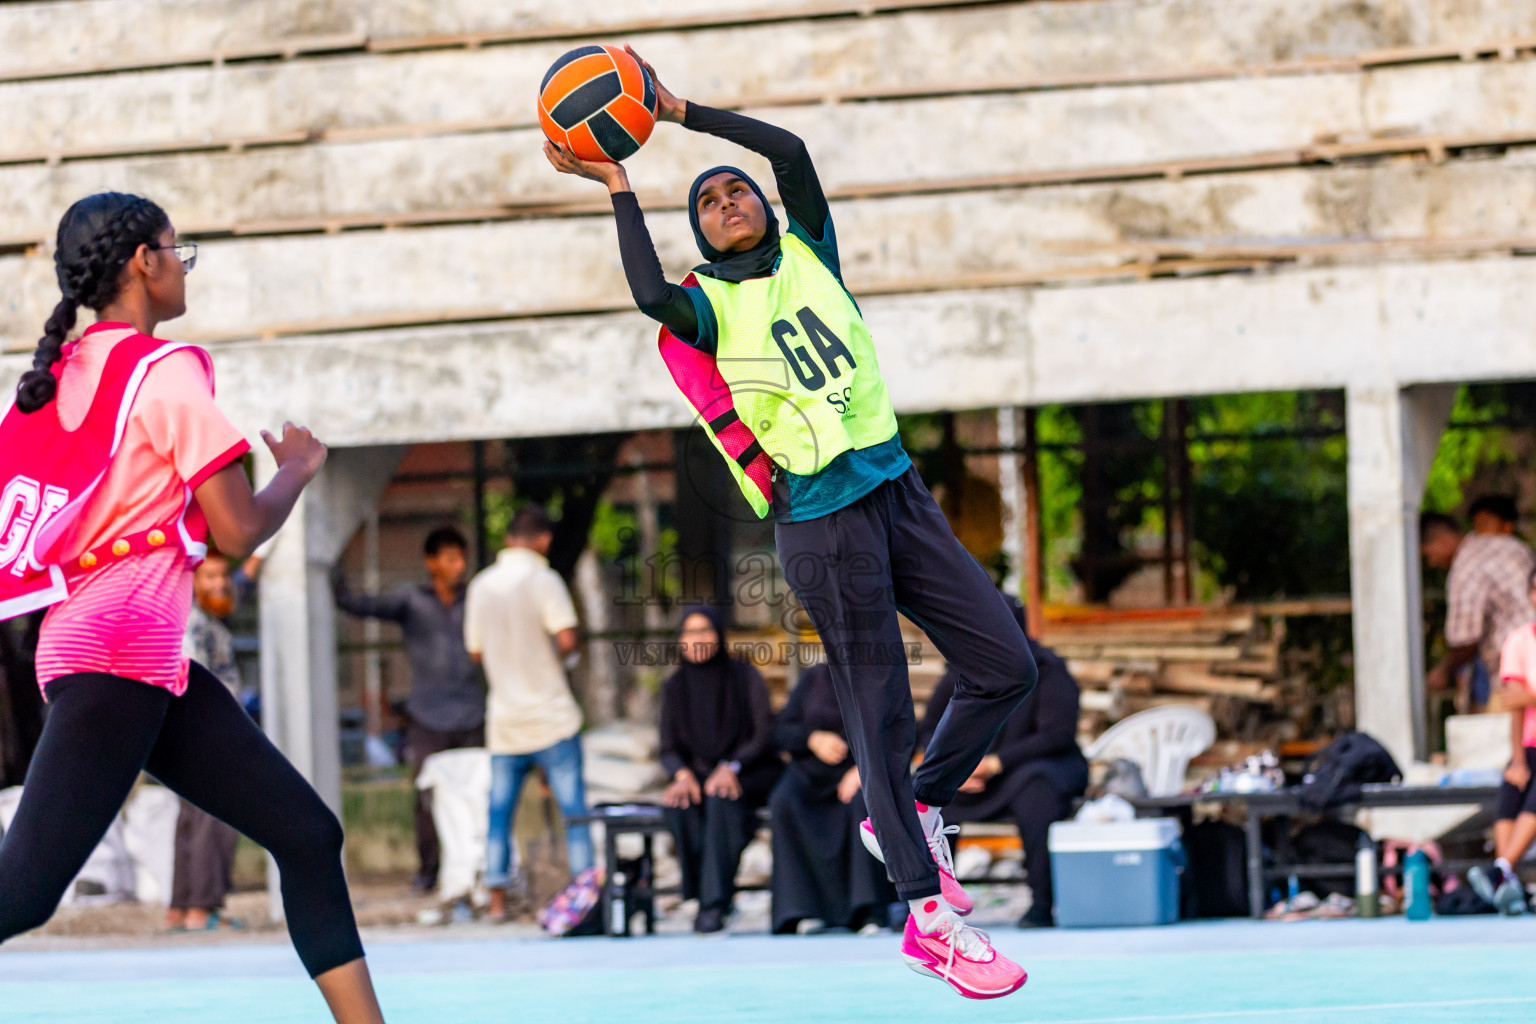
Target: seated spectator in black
1032 772
821 870
717 747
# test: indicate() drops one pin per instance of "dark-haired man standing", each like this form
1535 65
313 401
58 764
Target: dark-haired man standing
446 704
1485 587
520 623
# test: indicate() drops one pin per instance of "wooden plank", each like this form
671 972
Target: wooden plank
1098 701
1266 668
1100 671
452 88
720 18
1305 607
228 315
1198 679
525 120
286 49
1149 652
1179 638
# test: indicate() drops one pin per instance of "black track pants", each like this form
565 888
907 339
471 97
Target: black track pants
101 731
853 570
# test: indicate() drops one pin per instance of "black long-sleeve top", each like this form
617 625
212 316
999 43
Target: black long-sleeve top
690 739
445 682
800 194
812 707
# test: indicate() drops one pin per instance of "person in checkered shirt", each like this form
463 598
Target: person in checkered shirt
1486 593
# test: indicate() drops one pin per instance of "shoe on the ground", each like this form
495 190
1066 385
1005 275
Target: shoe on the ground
1509 897
1481 883
938 848
709 921
961 956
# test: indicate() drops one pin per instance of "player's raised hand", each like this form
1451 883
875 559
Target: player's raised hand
298 446
668 106
608 174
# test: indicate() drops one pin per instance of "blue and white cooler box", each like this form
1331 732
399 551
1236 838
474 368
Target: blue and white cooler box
1116 874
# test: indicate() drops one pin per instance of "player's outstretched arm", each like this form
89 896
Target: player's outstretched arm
799 189
655 297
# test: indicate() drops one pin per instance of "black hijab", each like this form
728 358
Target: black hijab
714 705
734 267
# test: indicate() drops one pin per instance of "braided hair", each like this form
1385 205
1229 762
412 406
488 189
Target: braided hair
97 237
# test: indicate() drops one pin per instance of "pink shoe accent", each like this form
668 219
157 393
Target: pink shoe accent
938 847
961 956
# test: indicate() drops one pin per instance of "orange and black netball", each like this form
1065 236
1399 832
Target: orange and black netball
597 103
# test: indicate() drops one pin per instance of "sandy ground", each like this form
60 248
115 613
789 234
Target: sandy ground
388 911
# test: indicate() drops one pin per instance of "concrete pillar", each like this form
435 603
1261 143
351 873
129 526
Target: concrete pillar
1393 435
298 617
1010 437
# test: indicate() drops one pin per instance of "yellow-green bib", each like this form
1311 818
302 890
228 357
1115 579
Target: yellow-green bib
800 363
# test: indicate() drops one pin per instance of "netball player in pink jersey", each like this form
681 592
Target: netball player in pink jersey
121 696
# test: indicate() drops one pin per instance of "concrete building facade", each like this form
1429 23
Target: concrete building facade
1038 201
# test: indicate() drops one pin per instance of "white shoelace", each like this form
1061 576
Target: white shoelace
972 943
938 845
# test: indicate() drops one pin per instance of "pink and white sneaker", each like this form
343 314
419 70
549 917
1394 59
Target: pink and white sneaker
938 847
963 956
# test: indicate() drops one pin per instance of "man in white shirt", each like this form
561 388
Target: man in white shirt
519 623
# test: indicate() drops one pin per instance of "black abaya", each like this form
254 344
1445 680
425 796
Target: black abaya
1044 770
714 713
821 870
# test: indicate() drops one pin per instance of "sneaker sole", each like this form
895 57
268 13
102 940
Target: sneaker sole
928 969
871 843
1512 905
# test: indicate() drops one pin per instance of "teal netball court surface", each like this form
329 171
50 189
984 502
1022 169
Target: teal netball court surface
1477 969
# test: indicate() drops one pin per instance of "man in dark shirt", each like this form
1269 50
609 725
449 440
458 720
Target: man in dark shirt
446 705
1032 773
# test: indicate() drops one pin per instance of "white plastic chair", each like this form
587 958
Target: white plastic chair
1161 741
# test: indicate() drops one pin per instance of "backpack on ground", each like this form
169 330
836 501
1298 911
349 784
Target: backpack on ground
577 909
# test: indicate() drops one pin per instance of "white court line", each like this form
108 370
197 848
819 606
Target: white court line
1231 1014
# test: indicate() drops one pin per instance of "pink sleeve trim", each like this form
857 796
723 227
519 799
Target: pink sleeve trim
697 376
221 460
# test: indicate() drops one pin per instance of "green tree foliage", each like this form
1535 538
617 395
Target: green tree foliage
1270 504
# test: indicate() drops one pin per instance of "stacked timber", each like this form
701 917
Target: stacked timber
1225 661
1229 661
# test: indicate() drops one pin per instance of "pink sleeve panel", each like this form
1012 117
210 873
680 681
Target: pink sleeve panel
698 378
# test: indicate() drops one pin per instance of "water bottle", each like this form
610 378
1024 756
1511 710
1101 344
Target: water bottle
1366 901
618 905
1416 886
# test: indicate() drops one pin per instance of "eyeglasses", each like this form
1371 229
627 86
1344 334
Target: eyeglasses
185 251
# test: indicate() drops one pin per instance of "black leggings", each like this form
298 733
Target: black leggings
853 570
101 731
1512 802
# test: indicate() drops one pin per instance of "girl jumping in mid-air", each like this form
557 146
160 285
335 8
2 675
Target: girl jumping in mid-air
773 353
115 465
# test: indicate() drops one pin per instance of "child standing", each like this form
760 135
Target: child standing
773 353
1514 826
116 465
